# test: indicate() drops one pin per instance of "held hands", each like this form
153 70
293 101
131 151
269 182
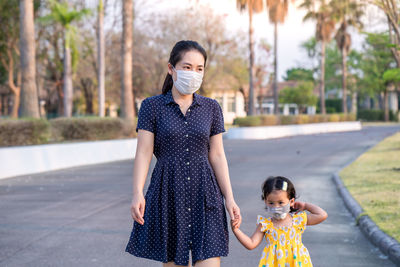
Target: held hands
233 210
137 208
236 222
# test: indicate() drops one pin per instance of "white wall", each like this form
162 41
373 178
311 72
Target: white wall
268 132
23 160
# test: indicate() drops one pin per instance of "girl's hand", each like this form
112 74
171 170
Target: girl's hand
235 224
299 206
233 209
137 207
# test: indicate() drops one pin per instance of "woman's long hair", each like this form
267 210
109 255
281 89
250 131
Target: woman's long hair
176 55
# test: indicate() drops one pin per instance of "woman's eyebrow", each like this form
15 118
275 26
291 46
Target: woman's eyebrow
186 63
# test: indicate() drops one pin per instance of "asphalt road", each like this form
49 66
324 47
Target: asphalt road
80 216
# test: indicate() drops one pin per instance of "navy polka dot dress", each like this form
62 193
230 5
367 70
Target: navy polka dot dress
184 204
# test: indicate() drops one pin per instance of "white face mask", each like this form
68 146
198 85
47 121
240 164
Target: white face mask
279 213
187 82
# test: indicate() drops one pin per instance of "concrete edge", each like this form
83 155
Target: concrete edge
279 131
26 160
387 244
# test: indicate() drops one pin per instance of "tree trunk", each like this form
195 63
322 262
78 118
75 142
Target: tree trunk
251 68
276 103
67 82
344 81
354 102
322 81
100 59
386 104
127 110
29 96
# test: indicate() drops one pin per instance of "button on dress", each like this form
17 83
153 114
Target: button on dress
184 204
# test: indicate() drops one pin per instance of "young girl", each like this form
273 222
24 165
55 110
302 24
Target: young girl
282 227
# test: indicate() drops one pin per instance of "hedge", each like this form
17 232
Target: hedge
18 132
269 120
375 115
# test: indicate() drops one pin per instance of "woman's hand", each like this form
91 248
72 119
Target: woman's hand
137 208
233 209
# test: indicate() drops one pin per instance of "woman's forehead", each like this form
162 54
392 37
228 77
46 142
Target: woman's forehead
192 57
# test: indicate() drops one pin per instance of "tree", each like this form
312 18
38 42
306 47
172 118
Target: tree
377 59
348 13
252 6
9 50
101 57
299 74
62 14
324 29
391 9
127 108
277 11
390 77
29 96
302 95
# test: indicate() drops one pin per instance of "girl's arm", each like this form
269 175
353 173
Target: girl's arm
249 242
219 164
144 153
317 215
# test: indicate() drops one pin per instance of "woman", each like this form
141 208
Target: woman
183 209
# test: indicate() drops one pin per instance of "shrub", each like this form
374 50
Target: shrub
334 118
302 119
90 128
269 120
285 120
248 121
375 115
19 132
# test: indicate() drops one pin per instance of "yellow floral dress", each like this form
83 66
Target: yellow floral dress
284 246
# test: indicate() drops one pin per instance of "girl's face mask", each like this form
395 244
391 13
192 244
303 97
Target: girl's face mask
187 82
278 213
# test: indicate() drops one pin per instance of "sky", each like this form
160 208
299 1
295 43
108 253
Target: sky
290 34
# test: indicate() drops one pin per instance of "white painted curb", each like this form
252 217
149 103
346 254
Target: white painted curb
24 160
268 132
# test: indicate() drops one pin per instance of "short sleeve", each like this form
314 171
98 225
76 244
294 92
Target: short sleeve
217 125
300 221
265 223
146 117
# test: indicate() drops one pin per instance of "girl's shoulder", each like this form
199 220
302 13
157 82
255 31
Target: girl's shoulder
300 221
265 222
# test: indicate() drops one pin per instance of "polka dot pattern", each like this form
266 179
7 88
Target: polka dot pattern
184 204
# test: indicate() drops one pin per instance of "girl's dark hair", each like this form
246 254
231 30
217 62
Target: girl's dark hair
176 55
277 183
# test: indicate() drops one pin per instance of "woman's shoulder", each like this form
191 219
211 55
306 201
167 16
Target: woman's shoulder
206 100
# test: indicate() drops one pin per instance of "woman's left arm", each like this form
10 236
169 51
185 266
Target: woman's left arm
219 164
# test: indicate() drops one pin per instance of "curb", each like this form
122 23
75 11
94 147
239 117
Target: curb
387 244
279 131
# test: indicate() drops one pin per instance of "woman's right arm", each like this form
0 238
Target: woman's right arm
144 152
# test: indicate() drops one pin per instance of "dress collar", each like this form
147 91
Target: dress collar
169 99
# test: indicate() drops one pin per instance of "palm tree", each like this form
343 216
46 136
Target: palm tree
277 12
252 6
100 57
348 13
62 14
127 110
323 33
29 96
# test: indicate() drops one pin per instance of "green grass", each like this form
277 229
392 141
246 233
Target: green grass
374 181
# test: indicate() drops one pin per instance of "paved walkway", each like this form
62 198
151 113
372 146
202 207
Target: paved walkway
80 216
